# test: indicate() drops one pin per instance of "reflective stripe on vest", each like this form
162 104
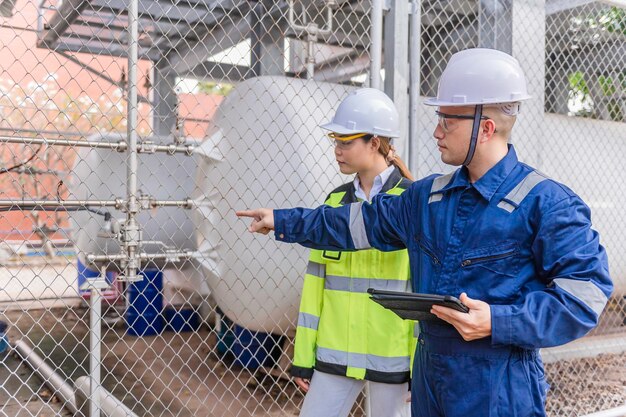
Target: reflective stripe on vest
308 320
364 361
438 184
360 285
340 283
515 197
317 269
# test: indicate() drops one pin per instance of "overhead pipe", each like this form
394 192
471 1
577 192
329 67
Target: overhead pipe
144 202
44 205
145 146
170 256
117 146
313 31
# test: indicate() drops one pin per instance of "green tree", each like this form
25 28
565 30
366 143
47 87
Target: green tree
580 102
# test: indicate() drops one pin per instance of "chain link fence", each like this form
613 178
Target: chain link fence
132 130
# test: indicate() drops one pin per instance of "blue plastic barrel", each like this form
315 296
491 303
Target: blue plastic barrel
181 318
4 341
253 349
84 273
225 335
144 314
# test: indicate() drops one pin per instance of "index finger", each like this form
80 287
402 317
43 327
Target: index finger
246 213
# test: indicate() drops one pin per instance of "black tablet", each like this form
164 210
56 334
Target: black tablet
413 306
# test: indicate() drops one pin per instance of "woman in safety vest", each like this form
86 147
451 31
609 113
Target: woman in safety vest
344 339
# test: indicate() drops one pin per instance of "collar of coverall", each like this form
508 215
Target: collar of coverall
489 183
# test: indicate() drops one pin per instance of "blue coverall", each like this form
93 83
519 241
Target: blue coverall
514 239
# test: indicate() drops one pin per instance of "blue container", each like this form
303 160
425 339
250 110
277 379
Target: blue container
252 349
4 342
181 318
225 336
84 273
144 316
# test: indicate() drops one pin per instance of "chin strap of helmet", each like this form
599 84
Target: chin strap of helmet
478 114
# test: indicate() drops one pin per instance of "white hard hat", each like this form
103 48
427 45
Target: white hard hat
366 110
480 76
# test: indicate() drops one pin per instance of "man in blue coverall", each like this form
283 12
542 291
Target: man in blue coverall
517 246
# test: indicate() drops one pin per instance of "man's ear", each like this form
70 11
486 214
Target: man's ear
488 130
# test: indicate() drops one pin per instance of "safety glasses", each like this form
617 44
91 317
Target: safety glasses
443 119
343 141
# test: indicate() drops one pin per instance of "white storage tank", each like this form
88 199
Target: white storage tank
100 174
263 149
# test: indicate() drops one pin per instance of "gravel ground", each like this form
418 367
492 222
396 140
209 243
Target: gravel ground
170 375
588 385
191 379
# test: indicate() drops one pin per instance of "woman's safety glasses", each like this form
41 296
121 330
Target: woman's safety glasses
343 141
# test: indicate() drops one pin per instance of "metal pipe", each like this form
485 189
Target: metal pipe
28 204
120 204
311 27
376 43
329 17
133 17
54 381
310 59
312 31
187 204
612 412
414 83
117 146
150 147
111 406
95 335
91 258
290 13
121 146
131 228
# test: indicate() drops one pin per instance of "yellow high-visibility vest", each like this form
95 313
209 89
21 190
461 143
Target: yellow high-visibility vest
340 330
